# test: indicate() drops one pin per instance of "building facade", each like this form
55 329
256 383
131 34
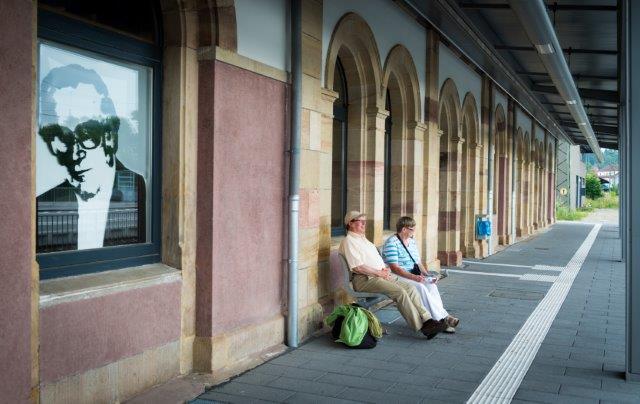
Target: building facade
148 177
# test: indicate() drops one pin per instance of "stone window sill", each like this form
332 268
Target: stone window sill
89 286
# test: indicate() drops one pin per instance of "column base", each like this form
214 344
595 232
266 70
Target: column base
433 265
450 258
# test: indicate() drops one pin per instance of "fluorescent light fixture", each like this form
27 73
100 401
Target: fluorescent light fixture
582 123
544 49
571 102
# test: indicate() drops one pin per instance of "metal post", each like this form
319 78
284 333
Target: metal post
294 169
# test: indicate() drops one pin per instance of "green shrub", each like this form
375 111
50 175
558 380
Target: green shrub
564 213
608 201
593 186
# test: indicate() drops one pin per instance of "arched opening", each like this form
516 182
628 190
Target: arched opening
520 182
400 84
501 176
339 152
360 64
388 124
551 181
470 181
449 251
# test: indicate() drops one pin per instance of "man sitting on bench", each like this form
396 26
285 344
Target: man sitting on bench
372 275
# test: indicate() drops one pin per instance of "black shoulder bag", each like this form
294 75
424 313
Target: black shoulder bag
416 269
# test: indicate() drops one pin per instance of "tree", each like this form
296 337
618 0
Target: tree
593 187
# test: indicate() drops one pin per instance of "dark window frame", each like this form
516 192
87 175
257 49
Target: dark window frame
341 114
388 124
66 31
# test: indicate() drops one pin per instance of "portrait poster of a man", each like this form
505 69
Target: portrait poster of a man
87 196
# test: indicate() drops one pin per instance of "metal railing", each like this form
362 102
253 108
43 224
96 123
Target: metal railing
58 230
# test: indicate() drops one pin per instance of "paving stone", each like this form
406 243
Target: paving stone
419 390
307 386
457 385
392 366
367 382
590 373
289 371
250 390
337 368
217 397
563 380
316 399
598 394
357 394
542 397
289 360
257 378
544 386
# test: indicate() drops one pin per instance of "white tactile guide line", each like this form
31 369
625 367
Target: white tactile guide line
522 277
503 380
494 264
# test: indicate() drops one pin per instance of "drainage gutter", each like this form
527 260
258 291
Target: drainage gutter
294 171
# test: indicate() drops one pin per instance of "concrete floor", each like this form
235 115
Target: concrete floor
579 356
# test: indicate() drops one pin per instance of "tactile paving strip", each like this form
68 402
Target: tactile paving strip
503 380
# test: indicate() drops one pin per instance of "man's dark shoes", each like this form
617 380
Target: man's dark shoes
431 327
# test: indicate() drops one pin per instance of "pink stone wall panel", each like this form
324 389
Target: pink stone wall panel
16 199
206 70
86 334
248 198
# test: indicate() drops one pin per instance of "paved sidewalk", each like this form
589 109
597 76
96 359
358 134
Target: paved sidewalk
581 358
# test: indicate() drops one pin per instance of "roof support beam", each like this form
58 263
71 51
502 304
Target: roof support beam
560 104
585 93
591 115
558 7
566 50
577 76
598 129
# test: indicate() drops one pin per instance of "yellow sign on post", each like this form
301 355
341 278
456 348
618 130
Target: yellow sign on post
563 191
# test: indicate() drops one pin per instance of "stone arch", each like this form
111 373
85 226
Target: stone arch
400 80
535 164
353 43
449 112
191 29
471 180
551 185
528 148
214 23
542 200
521 181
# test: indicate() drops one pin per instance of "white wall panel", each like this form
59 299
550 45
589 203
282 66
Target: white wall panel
523 121
465 78
263 31
390 26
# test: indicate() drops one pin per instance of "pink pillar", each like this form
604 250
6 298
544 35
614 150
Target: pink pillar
16 198
241 198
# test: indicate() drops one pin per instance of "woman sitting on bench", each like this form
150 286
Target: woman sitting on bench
401 254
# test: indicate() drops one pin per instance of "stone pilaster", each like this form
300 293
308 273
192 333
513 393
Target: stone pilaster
315 178
414 171
449 249
431 155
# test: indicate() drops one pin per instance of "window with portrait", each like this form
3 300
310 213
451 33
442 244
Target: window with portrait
97 140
